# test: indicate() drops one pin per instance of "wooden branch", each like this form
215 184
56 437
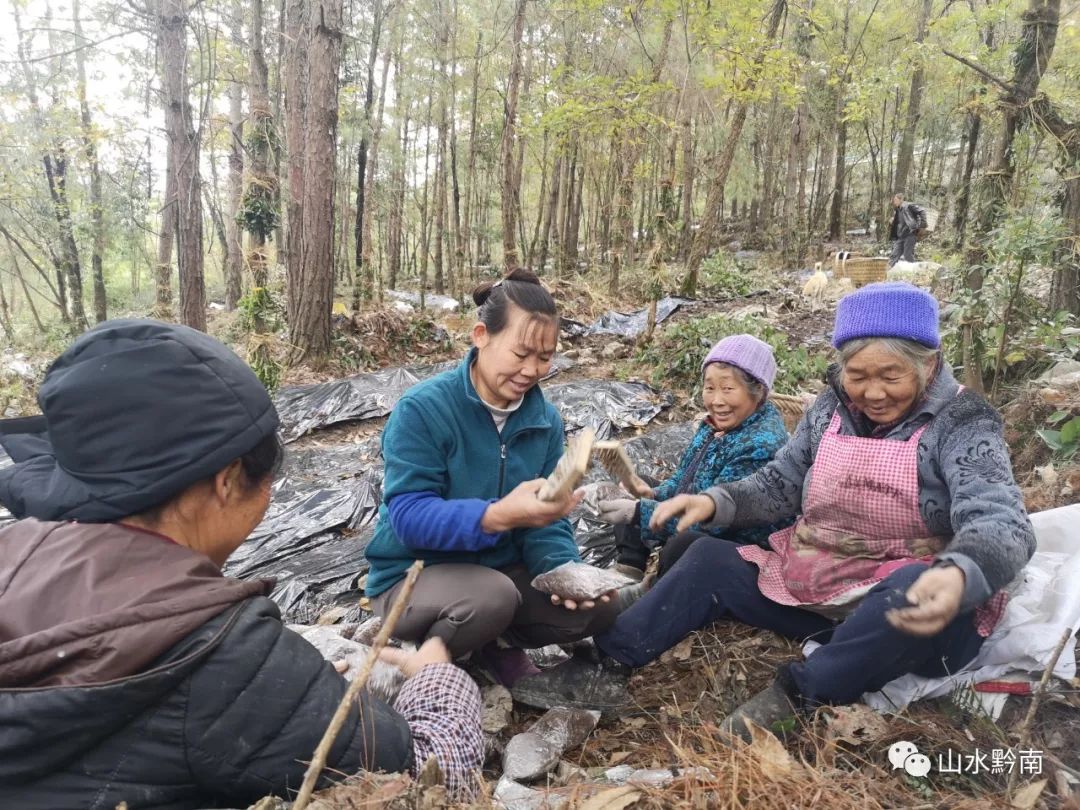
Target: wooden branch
986 74
1036 699
318 760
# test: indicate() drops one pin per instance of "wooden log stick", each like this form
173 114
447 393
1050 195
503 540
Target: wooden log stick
318 760
1029 718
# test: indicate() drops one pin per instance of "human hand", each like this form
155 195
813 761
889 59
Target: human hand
588 604
432 651
617 511
639 488
690 509
935 600
522 508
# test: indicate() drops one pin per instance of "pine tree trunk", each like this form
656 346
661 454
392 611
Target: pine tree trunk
395 242
510 190
633 142
97 213
370 280
166 240
721 164
181 134
551 213
686 206
470 171
906 151
312 71
362 279
234 251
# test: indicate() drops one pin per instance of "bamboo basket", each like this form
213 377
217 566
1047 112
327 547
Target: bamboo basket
791 408
864 269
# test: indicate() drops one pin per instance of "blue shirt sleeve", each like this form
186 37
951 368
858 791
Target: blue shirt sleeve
423 521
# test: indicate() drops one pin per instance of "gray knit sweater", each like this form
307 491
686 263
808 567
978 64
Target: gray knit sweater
966 487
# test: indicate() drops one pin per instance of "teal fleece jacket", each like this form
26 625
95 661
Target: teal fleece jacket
441 440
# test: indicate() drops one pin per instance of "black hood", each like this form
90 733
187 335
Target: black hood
133 413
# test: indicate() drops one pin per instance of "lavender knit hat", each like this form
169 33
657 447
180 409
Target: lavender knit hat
888 309
753 356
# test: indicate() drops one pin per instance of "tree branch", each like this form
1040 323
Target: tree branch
981 71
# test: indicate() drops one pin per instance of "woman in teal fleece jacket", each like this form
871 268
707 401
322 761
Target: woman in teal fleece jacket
465 454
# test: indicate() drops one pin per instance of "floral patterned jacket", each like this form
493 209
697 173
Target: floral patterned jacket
966 489
711 460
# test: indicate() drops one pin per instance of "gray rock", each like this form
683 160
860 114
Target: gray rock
529 756
512 796
566 728
1065 370
496 708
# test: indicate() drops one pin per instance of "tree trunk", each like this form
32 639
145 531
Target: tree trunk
457 234
836 207
363 278
632 146
181 134
97 213
370 276
262 189
470 172
686 205
721 164
54 163
166 240
395 242
550 210
793 232
311 269
906 151
234 251
510 191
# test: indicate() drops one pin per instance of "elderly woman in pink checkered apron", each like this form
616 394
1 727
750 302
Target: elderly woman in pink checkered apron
908 528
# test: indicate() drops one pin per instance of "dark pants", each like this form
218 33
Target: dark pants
469 605
903 248
632 551
860 654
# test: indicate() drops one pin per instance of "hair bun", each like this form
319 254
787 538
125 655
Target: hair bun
522 274
482 291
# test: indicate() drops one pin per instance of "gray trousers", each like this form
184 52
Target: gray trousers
903 249
468 606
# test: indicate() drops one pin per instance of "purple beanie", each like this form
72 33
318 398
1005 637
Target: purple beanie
888 309
753 356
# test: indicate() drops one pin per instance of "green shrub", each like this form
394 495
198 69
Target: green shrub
675 354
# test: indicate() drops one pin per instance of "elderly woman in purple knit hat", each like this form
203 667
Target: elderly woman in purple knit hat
740 434
908 529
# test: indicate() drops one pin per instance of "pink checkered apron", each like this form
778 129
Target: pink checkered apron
860 524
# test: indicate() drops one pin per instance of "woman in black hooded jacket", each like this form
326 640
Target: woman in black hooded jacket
131 669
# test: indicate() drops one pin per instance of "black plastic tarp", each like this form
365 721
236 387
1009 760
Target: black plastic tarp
607 406
313 537
623 324
304 408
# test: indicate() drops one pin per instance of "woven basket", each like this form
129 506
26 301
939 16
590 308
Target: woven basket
864 269
791 408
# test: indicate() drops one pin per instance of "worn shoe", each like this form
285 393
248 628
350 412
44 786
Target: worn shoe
772 708
506 665
632 571
588 680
